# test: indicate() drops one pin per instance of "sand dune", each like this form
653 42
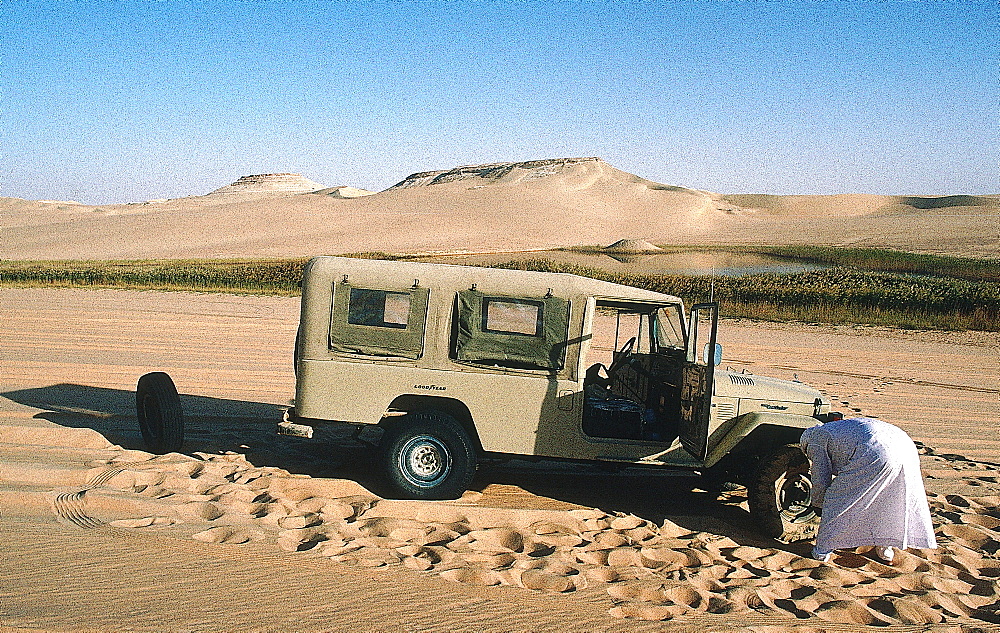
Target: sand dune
504 206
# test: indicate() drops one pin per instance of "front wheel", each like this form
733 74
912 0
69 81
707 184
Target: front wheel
428 455
779 496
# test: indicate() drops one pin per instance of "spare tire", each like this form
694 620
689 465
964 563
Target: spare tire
158 408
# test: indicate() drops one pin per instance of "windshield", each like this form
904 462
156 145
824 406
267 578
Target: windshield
668 327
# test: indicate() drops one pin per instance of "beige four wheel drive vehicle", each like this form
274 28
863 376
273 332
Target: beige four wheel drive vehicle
439 366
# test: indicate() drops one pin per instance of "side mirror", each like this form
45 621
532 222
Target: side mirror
717 360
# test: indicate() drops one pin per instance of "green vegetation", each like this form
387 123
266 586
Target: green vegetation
866 286
835 295
278 276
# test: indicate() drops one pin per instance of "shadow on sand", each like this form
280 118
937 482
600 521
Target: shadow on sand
215 425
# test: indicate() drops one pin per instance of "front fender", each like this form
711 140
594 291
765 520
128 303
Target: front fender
783 428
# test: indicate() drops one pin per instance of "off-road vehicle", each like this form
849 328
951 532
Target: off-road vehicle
439 366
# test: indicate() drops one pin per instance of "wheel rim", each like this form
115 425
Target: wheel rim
792 495
424 461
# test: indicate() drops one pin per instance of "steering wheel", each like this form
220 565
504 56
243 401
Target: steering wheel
620 357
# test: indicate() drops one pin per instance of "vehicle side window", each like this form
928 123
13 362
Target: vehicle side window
378 308
520 332
513 316
377 322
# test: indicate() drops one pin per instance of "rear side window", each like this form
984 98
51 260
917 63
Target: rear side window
513 316
378 308
520 332
378 322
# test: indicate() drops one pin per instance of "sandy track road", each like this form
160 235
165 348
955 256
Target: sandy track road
75 355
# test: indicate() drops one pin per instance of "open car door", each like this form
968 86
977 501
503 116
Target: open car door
697 377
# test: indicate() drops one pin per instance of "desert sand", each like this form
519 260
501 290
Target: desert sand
245 530
500 207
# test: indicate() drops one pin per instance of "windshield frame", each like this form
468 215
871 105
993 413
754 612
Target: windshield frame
674 335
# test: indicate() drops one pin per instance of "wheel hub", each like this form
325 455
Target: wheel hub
425 461
793 492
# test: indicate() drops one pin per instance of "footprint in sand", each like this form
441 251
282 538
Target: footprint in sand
970 536
746 597
471 576
905 609
985 521
226 534
544 580
300 521
656 613
624 557
376 557
838 575
496 540
418 563
205 510
688 597
490 561
788 588
601 574
297 540
665 559
143 522
849 612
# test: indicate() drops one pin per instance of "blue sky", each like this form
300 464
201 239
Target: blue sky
126 101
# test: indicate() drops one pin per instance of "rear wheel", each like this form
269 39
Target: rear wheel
428 455
779 496
158 408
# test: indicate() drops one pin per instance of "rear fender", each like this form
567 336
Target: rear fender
412 403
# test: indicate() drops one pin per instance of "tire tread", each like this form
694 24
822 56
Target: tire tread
169 436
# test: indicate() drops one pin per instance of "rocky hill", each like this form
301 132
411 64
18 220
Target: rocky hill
270 183
493 172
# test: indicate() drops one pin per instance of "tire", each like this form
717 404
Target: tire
779 493
158 408
427 455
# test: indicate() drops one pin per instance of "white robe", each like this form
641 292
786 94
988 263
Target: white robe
866 477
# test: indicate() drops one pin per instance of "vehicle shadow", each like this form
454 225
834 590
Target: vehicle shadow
216 426
211 425
653 494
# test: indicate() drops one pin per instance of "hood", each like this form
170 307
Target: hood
752 386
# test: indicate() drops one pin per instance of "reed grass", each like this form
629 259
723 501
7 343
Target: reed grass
835 295
249 276
920 292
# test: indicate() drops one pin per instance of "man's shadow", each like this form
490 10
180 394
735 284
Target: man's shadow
217 425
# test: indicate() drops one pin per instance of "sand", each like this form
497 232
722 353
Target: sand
245 530
508 208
